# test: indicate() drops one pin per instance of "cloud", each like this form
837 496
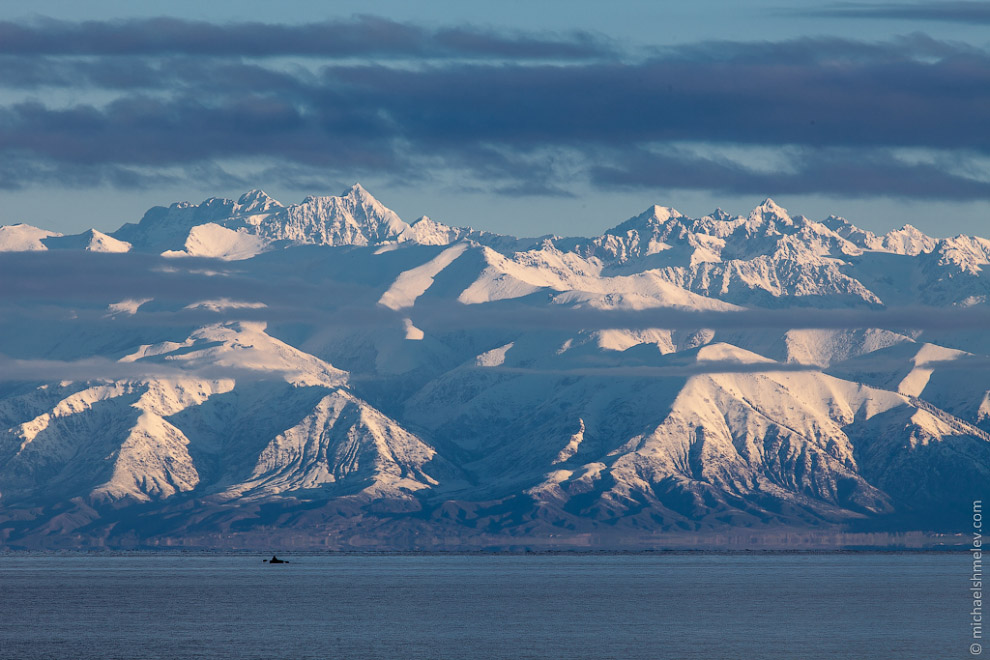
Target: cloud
160 112
700 367
47 284
355 37
847 172
970 13
88 369
104 369
681 369
84 279
430 316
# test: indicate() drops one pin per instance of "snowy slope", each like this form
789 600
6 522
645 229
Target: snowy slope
21 238
107 440
126 440
89 241
954 381
344 447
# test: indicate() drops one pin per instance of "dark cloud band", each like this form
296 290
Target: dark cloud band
356 37
970 13
509 118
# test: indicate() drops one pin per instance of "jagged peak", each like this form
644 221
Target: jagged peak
252 195
217 201
256 195
356 195
909 229
860 238
909 240
654 216
358 192
771 208
834 221
663 213
95 233
257 201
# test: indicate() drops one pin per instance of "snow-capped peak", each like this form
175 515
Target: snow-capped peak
836 223
90 240
355 218
22 238
664 213
649 220
237 348
908 240
770 210
257 201
358 191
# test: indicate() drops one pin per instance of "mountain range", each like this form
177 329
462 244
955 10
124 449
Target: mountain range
248 373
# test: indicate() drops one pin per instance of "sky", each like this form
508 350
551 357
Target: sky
518 117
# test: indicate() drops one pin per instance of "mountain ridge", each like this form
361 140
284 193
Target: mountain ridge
313 371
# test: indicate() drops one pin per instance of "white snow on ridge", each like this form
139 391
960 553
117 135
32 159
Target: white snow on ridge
127 307
23 238
909 241
149 460
254 204
413 283
90 240
242 348
355 218
212 240
412 332
494 357
100 242
823 347
71 405
346 445
153 463
968 253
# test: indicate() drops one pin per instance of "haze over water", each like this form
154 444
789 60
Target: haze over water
710 606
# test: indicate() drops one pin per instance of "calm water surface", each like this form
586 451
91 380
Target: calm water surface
628 607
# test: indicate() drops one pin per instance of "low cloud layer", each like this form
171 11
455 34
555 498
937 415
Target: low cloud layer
57 306
105 369
698 368
521 316
355 37
969 13
52 283
97 368
166 101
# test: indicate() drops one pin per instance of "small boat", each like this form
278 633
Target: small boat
275 560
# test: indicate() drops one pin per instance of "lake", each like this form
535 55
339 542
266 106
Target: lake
355 606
